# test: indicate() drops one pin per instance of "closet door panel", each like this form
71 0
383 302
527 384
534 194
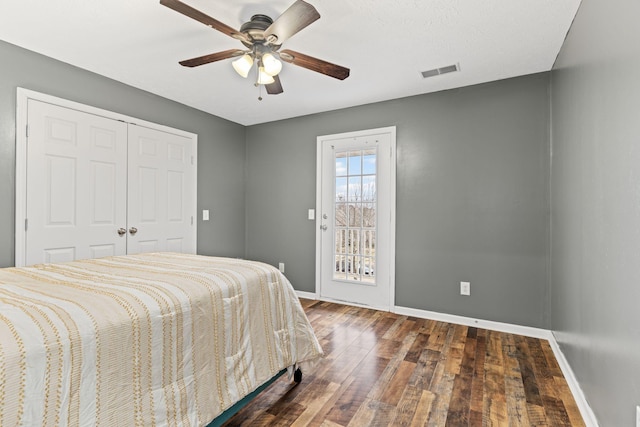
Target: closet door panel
76 184
161 191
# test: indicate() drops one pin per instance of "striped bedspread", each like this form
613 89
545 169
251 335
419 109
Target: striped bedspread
143 340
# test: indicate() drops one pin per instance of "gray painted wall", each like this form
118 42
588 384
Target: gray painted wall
221 147
472 196
595 280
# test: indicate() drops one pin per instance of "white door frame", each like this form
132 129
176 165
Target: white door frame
22 98
392 232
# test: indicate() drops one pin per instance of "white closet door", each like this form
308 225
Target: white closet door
162 192
76 184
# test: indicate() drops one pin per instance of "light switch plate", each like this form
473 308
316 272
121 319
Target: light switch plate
205 214
465 288
312 214
637 416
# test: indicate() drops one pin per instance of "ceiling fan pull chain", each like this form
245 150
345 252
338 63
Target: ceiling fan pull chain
257 84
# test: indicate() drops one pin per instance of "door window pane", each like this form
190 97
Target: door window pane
341 214
355 215
369 188
341 165
355 163
369 163
355 188
341 189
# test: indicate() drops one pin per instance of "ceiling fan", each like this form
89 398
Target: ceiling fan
262 38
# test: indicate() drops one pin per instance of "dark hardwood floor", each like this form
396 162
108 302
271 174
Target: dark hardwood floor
385 369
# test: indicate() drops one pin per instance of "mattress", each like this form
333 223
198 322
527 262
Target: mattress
143 340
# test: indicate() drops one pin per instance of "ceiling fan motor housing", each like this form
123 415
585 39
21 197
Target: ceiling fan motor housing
255 29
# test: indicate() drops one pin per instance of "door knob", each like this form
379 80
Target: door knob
122 231
323 227
133 230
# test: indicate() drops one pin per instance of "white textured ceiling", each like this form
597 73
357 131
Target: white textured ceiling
385 44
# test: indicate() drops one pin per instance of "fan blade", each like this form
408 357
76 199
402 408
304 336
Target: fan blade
275 87
314 64
298 16
189 11
212 57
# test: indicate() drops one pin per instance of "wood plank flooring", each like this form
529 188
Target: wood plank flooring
383 369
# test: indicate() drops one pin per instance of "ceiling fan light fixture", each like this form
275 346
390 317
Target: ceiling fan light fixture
264 78
243 65
271 65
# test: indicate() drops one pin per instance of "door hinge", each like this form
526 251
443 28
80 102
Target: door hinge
192 160
26 224
27 131
191 219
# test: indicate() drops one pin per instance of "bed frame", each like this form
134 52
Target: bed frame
226 415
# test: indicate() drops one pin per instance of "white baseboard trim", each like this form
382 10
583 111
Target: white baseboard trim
527 331
307 295
354 304
588 416
316 297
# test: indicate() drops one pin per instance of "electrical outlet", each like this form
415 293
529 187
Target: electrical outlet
465 288
281 267
637 416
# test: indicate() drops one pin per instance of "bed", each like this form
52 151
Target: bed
143 340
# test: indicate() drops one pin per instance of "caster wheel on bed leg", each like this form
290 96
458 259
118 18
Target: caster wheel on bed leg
297 376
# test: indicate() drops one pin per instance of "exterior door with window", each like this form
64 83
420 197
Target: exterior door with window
356 243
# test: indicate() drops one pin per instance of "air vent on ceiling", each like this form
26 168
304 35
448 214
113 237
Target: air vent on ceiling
441 70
